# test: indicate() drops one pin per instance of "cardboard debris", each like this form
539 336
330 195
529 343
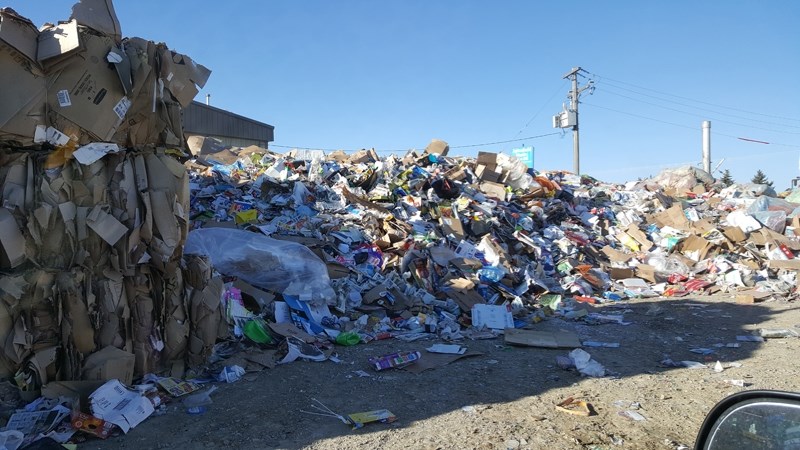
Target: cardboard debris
546 339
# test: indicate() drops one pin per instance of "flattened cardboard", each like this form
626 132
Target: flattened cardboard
545 339
98 15
790 264
436 360
695 246
289 329
452 225
105 225
735 234
618 273
639 237
110 363
646 272
12 245
58 40
88 93
494 190
437 147
487 158
201 145
22 107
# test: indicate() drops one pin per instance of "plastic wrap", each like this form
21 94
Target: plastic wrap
518 177
271 264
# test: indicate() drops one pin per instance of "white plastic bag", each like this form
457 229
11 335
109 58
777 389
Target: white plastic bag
279 266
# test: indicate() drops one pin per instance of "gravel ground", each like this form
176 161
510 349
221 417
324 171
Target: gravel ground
505 398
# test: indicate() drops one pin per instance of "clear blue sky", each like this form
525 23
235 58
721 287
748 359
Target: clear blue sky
393 75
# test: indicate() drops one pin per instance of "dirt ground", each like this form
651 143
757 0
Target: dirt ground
504 399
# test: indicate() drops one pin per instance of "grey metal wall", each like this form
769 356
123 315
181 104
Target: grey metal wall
204 120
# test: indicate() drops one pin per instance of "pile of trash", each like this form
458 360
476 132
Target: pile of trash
125 258
433 245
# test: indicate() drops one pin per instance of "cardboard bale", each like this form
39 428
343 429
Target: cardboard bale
110 363
87 92
23 105
205 317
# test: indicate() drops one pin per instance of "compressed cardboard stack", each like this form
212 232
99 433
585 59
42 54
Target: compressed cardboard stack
94 206
80 82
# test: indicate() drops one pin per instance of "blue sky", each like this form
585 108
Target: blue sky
395 74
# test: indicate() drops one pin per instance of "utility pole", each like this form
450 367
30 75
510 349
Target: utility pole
569 117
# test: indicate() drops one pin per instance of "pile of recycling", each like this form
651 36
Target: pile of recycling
131 252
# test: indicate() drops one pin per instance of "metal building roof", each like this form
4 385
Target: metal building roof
206 120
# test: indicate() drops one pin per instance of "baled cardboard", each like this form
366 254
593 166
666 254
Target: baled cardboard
110 363
87 92
22 107
12 246
57 41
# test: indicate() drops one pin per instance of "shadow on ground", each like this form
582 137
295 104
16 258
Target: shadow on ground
266 413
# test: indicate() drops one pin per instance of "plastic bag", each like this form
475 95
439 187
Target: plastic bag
279 266
518 177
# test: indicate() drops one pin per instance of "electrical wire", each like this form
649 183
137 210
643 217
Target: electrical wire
404 150
772 122
794 119
546 103
702 115
716 133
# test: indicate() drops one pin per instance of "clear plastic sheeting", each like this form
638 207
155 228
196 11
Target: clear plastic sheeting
271 264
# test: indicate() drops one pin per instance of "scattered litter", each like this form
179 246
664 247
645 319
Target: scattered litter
583 362
575 407
632 415
452 349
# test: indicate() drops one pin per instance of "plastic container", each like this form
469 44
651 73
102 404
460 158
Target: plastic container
348 339
256 331
199 399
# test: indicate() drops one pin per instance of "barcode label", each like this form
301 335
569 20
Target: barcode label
63 98
122 107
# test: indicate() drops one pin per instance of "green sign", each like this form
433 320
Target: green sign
525 154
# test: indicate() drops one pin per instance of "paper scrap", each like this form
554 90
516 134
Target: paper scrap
91 153
115 403
452 349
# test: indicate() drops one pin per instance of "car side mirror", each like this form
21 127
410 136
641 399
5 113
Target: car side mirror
752 420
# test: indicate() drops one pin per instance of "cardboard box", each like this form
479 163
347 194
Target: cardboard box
495 190
487 159
87 92
437 147
22 107
110 363
487 173
618 273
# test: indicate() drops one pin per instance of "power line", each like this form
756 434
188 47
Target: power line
696 101
702 115
403 150
506 142
547 102
772 122
716 133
